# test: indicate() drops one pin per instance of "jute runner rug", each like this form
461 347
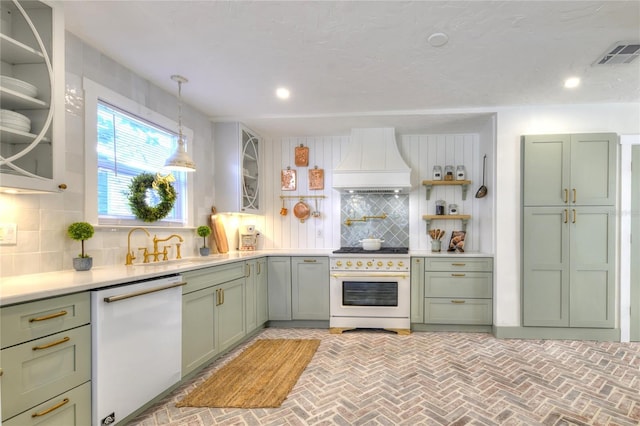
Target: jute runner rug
260 377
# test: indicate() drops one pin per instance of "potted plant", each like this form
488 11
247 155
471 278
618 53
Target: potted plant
81 231
204 231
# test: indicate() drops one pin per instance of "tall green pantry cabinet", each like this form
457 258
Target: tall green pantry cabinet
568 221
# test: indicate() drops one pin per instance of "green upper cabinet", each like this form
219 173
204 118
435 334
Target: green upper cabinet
578 169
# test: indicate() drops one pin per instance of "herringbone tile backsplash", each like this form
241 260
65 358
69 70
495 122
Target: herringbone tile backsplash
394 230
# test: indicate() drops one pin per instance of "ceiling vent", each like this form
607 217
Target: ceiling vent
620 53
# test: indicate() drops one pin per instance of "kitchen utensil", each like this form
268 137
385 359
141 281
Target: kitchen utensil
219 233
316 213
283 210
371 244
482 191
301 211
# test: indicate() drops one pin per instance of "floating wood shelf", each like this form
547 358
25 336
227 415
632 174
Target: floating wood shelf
462 217
463 184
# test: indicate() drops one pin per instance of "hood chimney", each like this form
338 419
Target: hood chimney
372 164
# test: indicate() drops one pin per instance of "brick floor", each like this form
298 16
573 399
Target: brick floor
369 377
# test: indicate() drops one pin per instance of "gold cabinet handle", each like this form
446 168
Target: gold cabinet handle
48 317
574 216
259 269
247 270
1 372
457 301
566 215
217 297
48 345
50 409
575 195
458 275
566 195
310 260
458 264
222 296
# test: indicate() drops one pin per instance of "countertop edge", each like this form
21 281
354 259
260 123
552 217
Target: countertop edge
26 288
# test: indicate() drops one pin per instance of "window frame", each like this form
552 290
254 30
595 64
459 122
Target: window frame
92 93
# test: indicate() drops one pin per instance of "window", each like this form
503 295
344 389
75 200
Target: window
127 139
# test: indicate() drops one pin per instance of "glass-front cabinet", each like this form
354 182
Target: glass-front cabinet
238 162
31 96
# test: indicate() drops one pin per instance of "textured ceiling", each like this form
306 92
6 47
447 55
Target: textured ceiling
366 59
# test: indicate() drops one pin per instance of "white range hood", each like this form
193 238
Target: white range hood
372 164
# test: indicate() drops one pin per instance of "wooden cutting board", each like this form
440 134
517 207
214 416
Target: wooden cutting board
218 232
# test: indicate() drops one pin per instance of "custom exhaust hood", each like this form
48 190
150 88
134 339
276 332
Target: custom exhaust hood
372 164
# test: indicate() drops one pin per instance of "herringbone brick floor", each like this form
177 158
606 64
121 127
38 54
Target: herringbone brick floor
367 377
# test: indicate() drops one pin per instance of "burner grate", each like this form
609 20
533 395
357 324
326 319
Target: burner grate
383 250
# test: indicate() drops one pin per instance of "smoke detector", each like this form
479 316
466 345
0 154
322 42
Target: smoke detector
620 53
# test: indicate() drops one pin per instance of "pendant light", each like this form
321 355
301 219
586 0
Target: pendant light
180 160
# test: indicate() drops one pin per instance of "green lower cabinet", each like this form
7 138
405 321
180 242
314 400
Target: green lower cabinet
568 267
417 289
457 291
458 311
310 288
230 314
35 371
198 328
213 313
72 408
279 296
262 292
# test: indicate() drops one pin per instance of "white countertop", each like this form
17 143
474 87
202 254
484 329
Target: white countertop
24 288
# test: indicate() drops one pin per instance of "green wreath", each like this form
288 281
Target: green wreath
138 196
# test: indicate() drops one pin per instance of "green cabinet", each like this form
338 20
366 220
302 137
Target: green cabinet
279 294
310 288
256 308
569 266
577 169
417 289
458 291
568 230
213 313
46 361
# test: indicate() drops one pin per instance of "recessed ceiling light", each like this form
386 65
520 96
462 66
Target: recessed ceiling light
438 39
283 93
572 82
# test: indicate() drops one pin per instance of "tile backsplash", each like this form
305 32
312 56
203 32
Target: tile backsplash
394 229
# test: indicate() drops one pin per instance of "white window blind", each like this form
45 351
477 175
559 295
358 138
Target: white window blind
127 146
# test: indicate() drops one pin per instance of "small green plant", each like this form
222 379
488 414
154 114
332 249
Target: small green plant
204 231
80 231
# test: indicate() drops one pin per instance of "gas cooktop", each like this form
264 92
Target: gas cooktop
383 250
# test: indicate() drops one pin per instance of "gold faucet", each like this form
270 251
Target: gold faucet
157 240
130 256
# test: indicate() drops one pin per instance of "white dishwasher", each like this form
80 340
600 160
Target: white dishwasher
136 345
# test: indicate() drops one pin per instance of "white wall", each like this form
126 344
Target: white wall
512 123
421 152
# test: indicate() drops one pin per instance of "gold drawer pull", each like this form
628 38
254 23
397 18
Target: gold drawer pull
48 345
48 410
48 317
457 301
458 275
310 260
458 264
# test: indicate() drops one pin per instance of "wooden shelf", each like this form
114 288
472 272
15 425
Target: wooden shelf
463 184
462 217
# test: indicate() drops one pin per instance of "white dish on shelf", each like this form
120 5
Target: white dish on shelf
19 86
14 120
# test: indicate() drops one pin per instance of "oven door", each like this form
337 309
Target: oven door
364 294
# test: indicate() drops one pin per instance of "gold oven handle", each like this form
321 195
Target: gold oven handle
369 276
